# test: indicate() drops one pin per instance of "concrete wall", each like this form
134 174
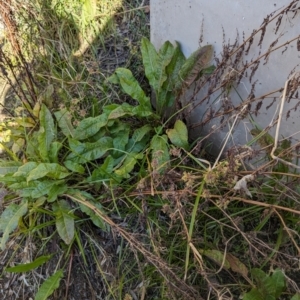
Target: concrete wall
222 22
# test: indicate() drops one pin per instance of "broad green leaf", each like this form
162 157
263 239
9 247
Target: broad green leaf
55 191
47 132
104 172
121 111
29 266
49 286
179 135
131 87
195 64
139 133
163 97
296 297
150 62
275 284
9 167
51 170
217 256
53 152
85 152
165 54
89 127
259 275
24 170
64 221
94 218
64 120
142 112
173 69
128 164
23 188
139 139
168 93
74 167
160 153
114 79
254 294
107 109
9 220
120 141
42 188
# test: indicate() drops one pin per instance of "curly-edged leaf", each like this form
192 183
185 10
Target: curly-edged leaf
150 62
64 221
64 120
121 111
20 268
195 64
9 220
74 167
128 164
51 170
47 132
165 55
49 286
131 87
9 167
85 152
173 68
24 170
89 127
179 135
160 153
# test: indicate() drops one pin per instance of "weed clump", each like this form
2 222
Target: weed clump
105 187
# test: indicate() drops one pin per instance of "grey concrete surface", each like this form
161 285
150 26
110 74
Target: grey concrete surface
222 22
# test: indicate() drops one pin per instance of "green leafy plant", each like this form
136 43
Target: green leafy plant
267 286
169 73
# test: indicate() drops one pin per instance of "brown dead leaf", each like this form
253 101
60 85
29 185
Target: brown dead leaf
236 265
146 9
